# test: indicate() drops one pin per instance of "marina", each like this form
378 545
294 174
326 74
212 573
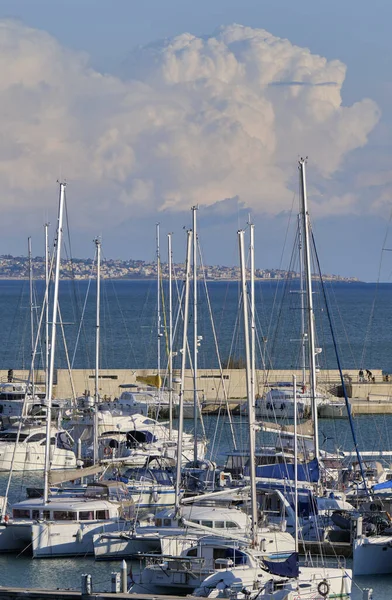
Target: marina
258 501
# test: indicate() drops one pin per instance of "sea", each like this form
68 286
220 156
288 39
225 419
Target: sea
353 330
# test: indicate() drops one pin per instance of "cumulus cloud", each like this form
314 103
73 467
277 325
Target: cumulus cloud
191 120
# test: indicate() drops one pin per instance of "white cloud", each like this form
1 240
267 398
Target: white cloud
191 120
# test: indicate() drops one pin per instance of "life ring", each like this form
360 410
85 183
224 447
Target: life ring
323 588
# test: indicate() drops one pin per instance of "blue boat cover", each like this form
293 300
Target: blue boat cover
284 568
385 485
308 472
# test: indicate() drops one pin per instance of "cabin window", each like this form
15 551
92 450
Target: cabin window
64 515
46 515
12 436
231 525
192 552
196 521
37 437
35 514
21 513
102 514
158 522
219 524
63 441
86 515
166 522
207 523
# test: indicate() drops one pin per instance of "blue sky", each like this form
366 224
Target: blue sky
356 33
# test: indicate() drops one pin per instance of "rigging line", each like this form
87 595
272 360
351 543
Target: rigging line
81 322
282 253
340 368
217 353
279 319
370 322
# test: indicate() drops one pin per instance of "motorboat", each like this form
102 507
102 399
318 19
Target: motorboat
23 448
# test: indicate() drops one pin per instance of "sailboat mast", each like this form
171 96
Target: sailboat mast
302 291
31 313
252 309
48 399
195 333
170 266
97 346
309 293
249 387
295 464
46 230
159 331
183 365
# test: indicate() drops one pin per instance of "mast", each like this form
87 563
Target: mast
195 336
183 365
46 229
48 399
31 314
170 259
252 309
309 293
302 291
249 387
159 331
295 465
97 345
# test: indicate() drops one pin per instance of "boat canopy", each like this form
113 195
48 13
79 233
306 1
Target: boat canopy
284 568
305 472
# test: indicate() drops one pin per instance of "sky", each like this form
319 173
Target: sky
148 108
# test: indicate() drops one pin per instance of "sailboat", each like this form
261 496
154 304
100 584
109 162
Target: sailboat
51 526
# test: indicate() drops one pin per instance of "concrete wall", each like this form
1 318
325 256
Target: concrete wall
210 385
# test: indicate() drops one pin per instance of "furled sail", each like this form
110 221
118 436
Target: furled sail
59 476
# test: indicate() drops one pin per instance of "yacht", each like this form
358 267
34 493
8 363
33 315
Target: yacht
23 448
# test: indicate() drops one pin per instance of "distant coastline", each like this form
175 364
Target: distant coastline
17 267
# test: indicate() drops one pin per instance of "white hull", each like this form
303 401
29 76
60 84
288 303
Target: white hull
153 498
373 555
51 539
31 457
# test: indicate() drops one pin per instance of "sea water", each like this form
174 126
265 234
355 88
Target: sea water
360 318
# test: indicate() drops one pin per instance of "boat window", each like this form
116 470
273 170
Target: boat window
219 524
231 525
63 441
196 521
192 552
36 437
207 523
35 514
64 515
158 522
10 436
86 515
102 514
46 515
52 441
166 522
21 513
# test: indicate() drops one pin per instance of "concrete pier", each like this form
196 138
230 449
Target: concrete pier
366 397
